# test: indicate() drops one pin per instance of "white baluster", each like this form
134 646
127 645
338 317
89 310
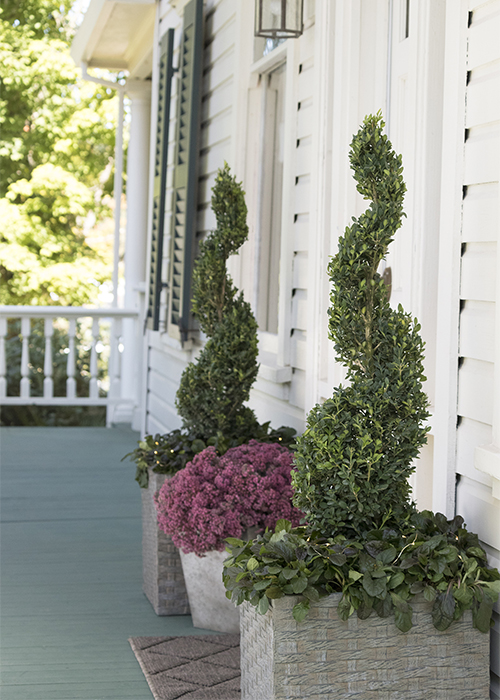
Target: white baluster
70 366
3 378
48 383
115 359
25 357
93 388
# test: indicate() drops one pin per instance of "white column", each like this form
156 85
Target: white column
139 93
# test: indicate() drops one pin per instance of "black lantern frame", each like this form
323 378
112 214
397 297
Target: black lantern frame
284 31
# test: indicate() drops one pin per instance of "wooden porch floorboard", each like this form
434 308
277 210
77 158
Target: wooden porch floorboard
71 567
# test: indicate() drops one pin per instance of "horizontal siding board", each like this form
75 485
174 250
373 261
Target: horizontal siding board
299 309
162 386
221 44
154 425
217 17
480 220
483 43
480 510
298 388
478 272
481 105
163 412
277 411
300 271
301 234
301 196
477 331
304 122
306 82
303 159
216 130
217 101
470 434
213 157
475 390
277 391
166 365
298 352
218 73
482 155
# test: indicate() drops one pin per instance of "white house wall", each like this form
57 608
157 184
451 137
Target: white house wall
438 89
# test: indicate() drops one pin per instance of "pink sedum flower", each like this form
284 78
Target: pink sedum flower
217 497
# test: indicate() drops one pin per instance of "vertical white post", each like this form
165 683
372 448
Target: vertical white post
48 383
93 388
3 378
25 357
115 360
70 367
139 92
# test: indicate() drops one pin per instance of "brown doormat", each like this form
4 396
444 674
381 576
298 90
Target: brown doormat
201 667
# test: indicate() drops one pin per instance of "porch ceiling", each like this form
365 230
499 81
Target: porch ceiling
117 35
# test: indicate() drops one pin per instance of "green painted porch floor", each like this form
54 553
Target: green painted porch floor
71 567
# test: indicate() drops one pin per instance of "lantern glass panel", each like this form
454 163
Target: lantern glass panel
278 19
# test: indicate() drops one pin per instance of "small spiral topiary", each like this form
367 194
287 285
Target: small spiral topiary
214 387
355 457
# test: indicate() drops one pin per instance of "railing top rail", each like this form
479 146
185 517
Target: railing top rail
66 312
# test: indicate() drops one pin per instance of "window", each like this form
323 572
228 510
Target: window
271 188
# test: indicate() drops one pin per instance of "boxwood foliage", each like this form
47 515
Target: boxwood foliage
381 573
213 388
363 536
354 459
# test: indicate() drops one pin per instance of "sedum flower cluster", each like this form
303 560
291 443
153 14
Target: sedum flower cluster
215 497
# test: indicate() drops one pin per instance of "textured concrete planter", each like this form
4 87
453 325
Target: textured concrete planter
163 581
324 658
210 609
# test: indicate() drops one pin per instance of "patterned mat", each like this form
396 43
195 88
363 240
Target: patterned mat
204 667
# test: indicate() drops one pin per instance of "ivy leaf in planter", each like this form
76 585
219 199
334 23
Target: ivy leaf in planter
263 605
402 613
443 610
300 610
345 608
463 594
383 607
376 587
274 592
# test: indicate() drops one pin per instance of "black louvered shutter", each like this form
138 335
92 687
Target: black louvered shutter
160 179
185 185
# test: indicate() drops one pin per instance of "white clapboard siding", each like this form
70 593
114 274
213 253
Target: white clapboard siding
477 331
301 233
482 106
216 129
299 309
478 271
217 100
482 154
480 510
480 213
475 395
298 355
471 433
298 388
483 36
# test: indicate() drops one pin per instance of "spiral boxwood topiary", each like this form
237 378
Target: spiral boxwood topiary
214 388
354 459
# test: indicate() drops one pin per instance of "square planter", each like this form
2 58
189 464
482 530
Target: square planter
210 609
163 580
325 658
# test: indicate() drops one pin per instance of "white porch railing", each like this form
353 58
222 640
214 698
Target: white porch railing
103 331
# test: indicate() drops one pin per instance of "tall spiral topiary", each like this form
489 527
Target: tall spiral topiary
214 387
355 457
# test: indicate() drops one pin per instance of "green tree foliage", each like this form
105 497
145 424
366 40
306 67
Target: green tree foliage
356 454
214 388
56 150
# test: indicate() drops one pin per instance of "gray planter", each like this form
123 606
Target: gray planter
210 609
324 658
163 581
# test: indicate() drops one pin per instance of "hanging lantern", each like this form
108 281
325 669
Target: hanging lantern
279 19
